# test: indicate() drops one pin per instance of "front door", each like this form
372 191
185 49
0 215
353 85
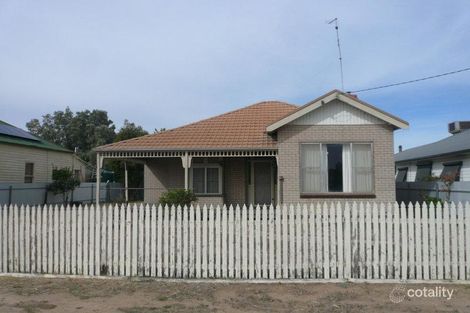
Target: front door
262 176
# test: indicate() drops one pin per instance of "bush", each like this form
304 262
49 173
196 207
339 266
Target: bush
178 197
433 200
63 182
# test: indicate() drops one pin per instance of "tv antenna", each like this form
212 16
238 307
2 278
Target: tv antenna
335 21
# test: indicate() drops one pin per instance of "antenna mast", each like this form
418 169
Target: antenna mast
335 20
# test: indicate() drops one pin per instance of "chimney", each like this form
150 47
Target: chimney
458 126
400 148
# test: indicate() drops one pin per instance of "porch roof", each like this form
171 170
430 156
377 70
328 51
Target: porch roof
242 129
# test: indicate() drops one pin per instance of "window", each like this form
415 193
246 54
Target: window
206 179
423 172
28 173
402 174
336 168
77 174
451 171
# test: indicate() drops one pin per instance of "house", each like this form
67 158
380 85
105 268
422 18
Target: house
334 147
417 169
25 158
26 165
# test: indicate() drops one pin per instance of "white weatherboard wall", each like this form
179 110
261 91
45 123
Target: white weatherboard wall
367 241
437 166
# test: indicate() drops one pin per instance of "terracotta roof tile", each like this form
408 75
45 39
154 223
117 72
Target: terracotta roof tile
240 129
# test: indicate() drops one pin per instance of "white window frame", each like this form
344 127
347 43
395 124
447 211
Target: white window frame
325 177
206 166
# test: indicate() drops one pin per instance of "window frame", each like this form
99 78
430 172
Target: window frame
336 194
27 176
406 174
424 164
454 163
205 166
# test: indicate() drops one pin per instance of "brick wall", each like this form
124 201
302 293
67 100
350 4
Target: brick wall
290 136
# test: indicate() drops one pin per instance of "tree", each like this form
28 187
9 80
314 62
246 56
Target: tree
64 181
129 131
84 130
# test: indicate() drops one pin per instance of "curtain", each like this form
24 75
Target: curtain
347 170
310 168
362 168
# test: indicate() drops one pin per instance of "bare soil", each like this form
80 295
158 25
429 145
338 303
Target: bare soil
50 295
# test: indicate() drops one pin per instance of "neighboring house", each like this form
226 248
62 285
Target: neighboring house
27 159
334 147
449 158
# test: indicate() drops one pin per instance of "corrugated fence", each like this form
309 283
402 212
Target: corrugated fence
373 241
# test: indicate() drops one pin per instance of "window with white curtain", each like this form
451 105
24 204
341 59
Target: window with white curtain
345 167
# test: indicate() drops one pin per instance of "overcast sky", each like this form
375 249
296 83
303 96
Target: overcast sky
167 63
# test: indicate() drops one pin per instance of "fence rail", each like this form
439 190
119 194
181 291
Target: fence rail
374 241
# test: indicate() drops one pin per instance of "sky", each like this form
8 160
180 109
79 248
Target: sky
162 64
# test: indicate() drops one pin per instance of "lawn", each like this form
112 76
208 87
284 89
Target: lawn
49 295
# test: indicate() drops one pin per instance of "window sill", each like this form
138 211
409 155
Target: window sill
208 195
342 195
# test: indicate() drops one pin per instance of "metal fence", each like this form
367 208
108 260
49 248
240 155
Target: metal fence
36 193
368 241
418 191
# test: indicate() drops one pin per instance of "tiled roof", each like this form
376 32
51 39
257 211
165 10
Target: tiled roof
240 129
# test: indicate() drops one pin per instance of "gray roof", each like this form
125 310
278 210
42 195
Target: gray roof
457 143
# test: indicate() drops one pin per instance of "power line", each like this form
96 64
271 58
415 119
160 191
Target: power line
410 81
335 20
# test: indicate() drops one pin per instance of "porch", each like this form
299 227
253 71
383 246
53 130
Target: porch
216 177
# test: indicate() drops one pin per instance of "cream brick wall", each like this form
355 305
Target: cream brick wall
290 136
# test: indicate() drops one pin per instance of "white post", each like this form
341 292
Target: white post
98 178
186 160
126 184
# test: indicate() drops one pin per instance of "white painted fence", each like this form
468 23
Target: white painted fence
368 241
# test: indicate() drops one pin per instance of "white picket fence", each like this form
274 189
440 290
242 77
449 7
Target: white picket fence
319 241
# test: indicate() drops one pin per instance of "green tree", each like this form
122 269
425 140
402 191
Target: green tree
84 130
129 130
63 182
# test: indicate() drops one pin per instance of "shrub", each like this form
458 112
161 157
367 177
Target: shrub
433 200
178 197
63 182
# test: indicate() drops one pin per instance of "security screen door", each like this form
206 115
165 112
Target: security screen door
262 179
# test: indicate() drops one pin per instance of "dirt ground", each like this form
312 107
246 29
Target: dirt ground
50 295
